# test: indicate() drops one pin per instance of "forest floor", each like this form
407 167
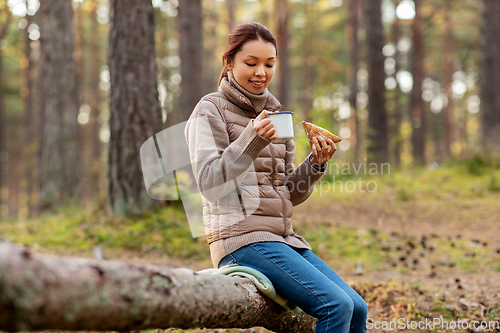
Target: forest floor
424 245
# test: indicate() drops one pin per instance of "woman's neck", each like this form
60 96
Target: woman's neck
258 101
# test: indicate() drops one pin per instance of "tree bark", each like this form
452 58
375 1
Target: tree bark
190 52
135 113
308 69
448 79
95 102
264 15
210 55
4 169
398 109
308 65
44 293
418 117
29 136
282 14
81 98
164 72
490 74
377 115
3 151
59 164
78 36
352 29
15 140
231 8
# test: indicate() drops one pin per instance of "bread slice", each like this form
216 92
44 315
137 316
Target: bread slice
313 131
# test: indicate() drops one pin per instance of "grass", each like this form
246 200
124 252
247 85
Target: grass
166 232
467 180
456 191
163 231
457 196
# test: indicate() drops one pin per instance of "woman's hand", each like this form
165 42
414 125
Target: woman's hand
321 153
264 127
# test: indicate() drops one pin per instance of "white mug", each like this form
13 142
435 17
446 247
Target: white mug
283 124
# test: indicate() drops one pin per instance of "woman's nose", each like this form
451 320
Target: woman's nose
259 70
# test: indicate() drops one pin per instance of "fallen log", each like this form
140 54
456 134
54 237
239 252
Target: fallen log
45 293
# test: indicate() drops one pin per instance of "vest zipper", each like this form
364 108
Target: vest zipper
283 204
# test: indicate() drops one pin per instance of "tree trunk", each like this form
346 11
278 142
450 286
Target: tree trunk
435 130
3 151
231 8
307 66
4 169
377 117
39 98
5 158
29 136
490 75
448 79
164 72
44 293
283 38
81 89
14 139
78 53
94 103
59 163
417 103
352 29
134 106
210 55
308 62
398 109
264 15
190 52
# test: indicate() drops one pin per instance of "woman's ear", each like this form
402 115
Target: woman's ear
228 64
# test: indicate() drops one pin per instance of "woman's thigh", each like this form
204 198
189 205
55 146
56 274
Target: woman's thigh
294 278
331 274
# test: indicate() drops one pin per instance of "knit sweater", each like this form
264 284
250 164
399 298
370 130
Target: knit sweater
222 152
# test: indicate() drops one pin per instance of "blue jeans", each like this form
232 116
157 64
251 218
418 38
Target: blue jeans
307 281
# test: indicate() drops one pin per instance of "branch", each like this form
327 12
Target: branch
45 293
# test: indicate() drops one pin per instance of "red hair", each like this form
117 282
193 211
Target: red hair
239 36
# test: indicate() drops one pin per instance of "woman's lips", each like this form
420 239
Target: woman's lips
257 84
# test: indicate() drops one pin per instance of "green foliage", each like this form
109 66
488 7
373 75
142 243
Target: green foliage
476 165
453 180
164 231
404 195
442 309
344 247
494 184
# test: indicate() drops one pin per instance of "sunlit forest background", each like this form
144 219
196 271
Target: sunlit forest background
412 83
426 58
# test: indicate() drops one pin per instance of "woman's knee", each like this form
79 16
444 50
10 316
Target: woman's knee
360 308
339 306
347 306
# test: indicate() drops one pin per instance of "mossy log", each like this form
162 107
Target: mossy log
45 293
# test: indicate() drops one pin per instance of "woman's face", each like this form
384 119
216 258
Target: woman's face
253 66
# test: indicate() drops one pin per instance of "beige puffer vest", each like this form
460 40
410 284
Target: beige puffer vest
275 209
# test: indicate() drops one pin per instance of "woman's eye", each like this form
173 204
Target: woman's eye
251 65
270 66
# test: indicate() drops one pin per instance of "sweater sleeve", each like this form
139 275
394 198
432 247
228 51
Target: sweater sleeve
216 161
301 180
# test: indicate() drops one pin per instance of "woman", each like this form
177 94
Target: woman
249 185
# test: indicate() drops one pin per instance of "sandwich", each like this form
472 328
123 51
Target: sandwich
313 131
